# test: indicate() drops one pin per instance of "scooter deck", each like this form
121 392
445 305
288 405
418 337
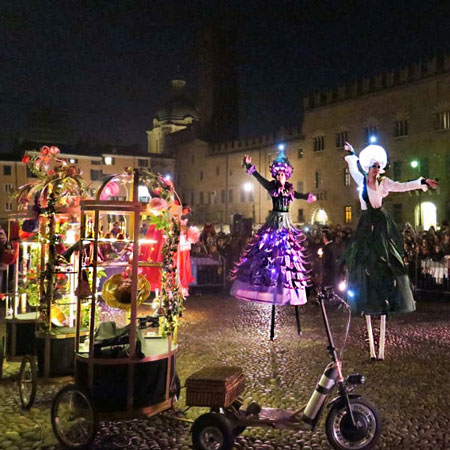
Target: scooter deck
277 418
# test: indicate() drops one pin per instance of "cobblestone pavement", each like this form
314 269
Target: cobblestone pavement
411 387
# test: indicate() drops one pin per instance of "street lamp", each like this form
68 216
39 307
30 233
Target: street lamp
415 164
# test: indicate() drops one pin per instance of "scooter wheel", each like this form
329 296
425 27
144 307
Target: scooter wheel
212 431
341 432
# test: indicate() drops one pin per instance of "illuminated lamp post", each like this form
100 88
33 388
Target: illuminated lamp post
415 164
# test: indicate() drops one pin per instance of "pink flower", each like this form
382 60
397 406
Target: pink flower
54 150
193 234
158 204
311 198
45 150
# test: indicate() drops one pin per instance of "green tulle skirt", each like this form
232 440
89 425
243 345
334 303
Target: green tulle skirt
377 280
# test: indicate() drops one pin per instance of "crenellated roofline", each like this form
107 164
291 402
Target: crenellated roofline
408 74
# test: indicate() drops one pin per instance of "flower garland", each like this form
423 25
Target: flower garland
166 216
58 185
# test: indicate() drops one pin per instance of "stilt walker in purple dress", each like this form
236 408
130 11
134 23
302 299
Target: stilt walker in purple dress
273 268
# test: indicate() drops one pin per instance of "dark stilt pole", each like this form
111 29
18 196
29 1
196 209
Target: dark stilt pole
297 317
272 324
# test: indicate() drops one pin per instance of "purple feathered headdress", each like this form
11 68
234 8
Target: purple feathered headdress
281 164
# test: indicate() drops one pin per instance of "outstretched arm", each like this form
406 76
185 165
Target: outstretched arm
420 183
309 197
352 161
251 169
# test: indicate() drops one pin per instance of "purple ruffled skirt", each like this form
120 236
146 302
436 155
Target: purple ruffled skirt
273 268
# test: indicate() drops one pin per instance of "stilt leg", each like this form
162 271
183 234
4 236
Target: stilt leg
371 341
382 336
272 324
297 318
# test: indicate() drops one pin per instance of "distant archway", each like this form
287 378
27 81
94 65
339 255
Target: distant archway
320 216
425 215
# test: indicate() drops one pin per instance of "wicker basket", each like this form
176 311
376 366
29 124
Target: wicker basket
215 386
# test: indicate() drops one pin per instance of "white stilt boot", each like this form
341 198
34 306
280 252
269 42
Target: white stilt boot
382 337
373 354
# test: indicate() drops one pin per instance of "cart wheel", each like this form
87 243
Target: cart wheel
340 431
27 382
212 431
175 387
74 420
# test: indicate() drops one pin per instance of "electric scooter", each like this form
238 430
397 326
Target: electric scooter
352 423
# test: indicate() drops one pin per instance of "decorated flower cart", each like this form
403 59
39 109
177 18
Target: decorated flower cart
126 365
40 312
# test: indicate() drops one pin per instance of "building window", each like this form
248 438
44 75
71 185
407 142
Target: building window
242 195
300 187
108 160
201 175
447 161
442 121
300 153
96 162
250 196
209 198
217 170
222 196
73 160
96 175
201 198
193 159
347 179
142 162
230 195
192 198
397 213
397 170
8 206
6 170
401 128
300 217
348 214
9 188
370 132
341 139
317 180
319 143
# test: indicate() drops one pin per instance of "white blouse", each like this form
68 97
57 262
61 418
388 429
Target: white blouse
382 188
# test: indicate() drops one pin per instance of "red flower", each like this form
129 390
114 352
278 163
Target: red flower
2 297
45 150
51 173
26 159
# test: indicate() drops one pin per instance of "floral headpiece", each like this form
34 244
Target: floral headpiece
281 164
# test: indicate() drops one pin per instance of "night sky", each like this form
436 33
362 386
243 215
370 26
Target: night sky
108 64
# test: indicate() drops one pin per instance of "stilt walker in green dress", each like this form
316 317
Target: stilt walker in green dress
377 279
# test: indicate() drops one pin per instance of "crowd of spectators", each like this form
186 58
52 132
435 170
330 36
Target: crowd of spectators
431 245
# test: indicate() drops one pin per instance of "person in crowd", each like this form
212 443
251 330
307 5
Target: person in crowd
273 267
115 230
208 231
377 280
330 258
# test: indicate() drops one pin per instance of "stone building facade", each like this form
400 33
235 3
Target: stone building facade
407 110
